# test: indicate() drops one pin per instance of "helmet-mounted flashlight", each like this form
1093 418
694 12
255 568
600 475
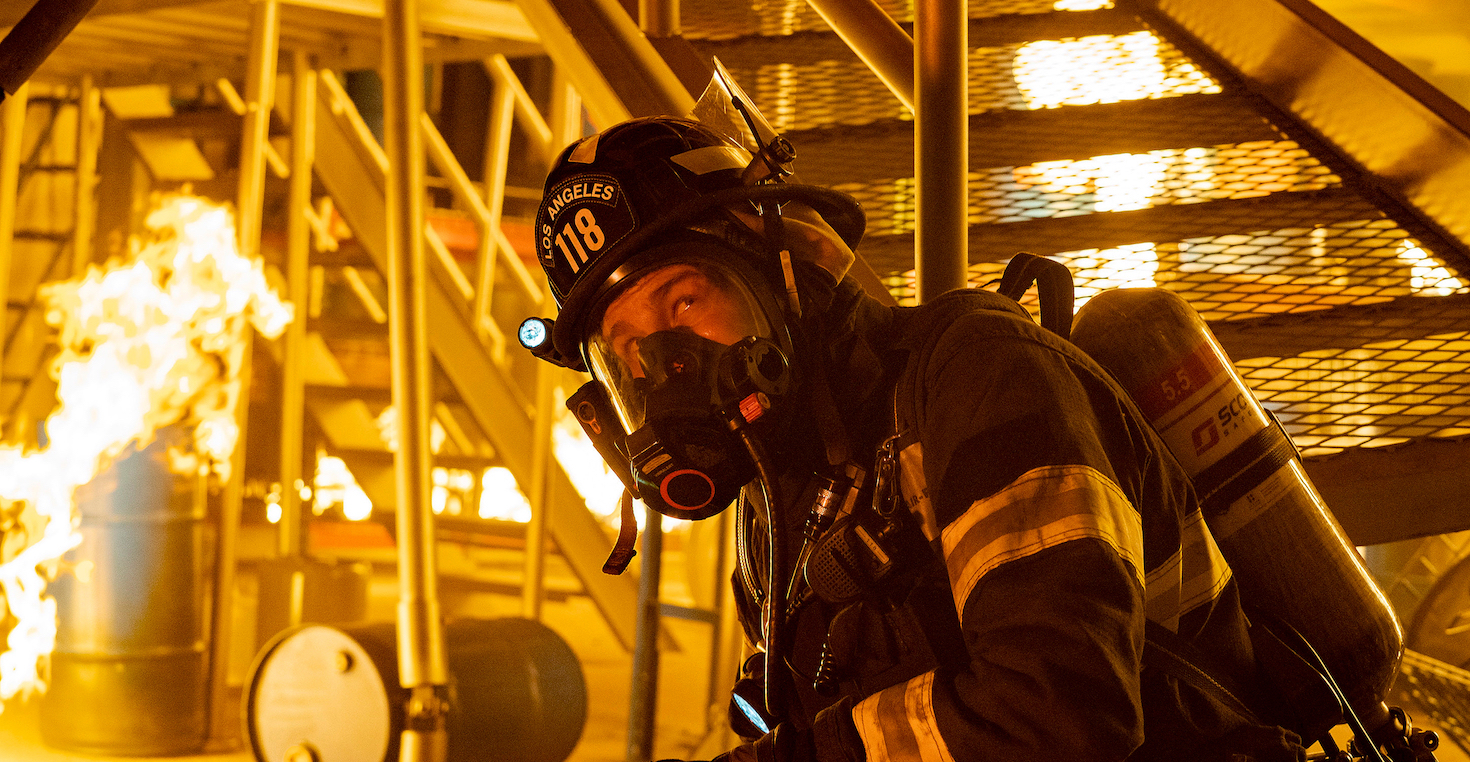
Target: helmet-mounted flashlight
534 334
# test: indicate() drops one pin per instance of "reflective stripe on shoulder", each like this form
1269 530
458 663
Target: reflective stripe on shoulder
897 724
1194 576
1042 508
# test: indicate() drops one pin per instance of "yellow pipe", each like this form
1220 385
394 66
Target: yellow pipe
422 664
298 255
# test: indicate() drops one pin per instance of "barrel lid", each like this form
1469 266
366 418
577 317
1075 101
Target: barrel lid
315 694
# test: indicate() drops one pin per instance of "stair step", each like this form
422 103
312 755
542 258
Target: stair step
811 47
39 235
1347 327
381 458
806 95
1010 138
715 19
1178 222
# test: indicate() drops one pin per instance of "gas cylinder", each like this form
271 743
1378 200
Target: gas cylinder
1289 556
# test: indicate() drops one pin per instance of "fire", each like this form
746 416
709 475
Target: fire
150 341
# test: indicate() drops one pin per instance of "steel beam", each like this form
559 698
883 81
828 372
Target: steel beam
878 41
476 19
941 140
569 54
1397 493
615 68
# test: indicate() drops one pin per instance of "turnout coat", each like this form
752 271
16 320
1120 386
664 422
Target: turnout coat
1054 524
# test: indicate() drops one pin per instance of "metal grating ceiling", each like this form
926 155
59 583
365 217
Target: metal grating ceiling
1070 160
716 20
1024 76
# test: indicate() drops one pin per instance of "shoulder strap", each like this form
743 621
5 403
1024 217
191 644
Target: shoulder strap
1054 289
1169 653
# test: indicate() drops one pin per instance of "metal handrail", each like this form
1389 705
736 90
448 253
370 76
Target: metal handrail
526 112
367 145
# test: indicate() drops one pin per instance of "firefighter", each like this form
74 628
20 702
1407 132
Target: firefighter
954 529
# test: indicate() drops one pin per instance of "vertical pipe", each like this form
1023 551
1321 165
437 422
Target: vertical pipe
535 558
941 146
421 660
89 140
298 255
728 639
222 612
659 18
12 128
260 81
643 701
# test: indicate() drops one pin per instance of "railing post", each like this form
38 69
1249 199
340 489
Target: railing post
497 157
12 129
298 255
89 140
541 506
422 667
643 701
941 146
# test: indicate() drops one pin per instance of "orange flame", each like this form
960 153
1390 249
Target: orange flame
145 343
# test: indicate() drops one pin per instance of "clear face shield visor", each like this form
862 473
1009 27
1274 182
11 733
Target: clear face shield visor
671 333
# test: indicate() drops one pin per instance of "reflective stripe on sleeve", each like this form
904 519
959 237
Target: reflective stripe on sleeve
1194 576
1042 508
897 724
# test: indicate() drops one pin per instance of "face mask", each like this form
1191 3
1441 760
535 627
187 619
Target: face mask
686 459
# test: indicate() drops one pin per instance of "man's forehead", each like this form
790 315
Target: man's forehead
652 282
648 290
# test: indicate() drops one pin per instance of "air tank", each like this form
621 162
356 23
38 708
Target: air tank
1289 556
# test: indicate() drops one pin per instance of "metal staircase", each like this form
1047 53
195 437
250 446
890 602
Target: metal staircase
1125 145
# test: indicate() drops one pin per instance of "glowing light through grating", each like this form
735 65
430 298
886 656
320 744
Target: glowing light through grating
1380 394
334 486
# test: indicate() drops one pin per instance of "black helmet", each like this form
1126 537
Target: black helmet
610 196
